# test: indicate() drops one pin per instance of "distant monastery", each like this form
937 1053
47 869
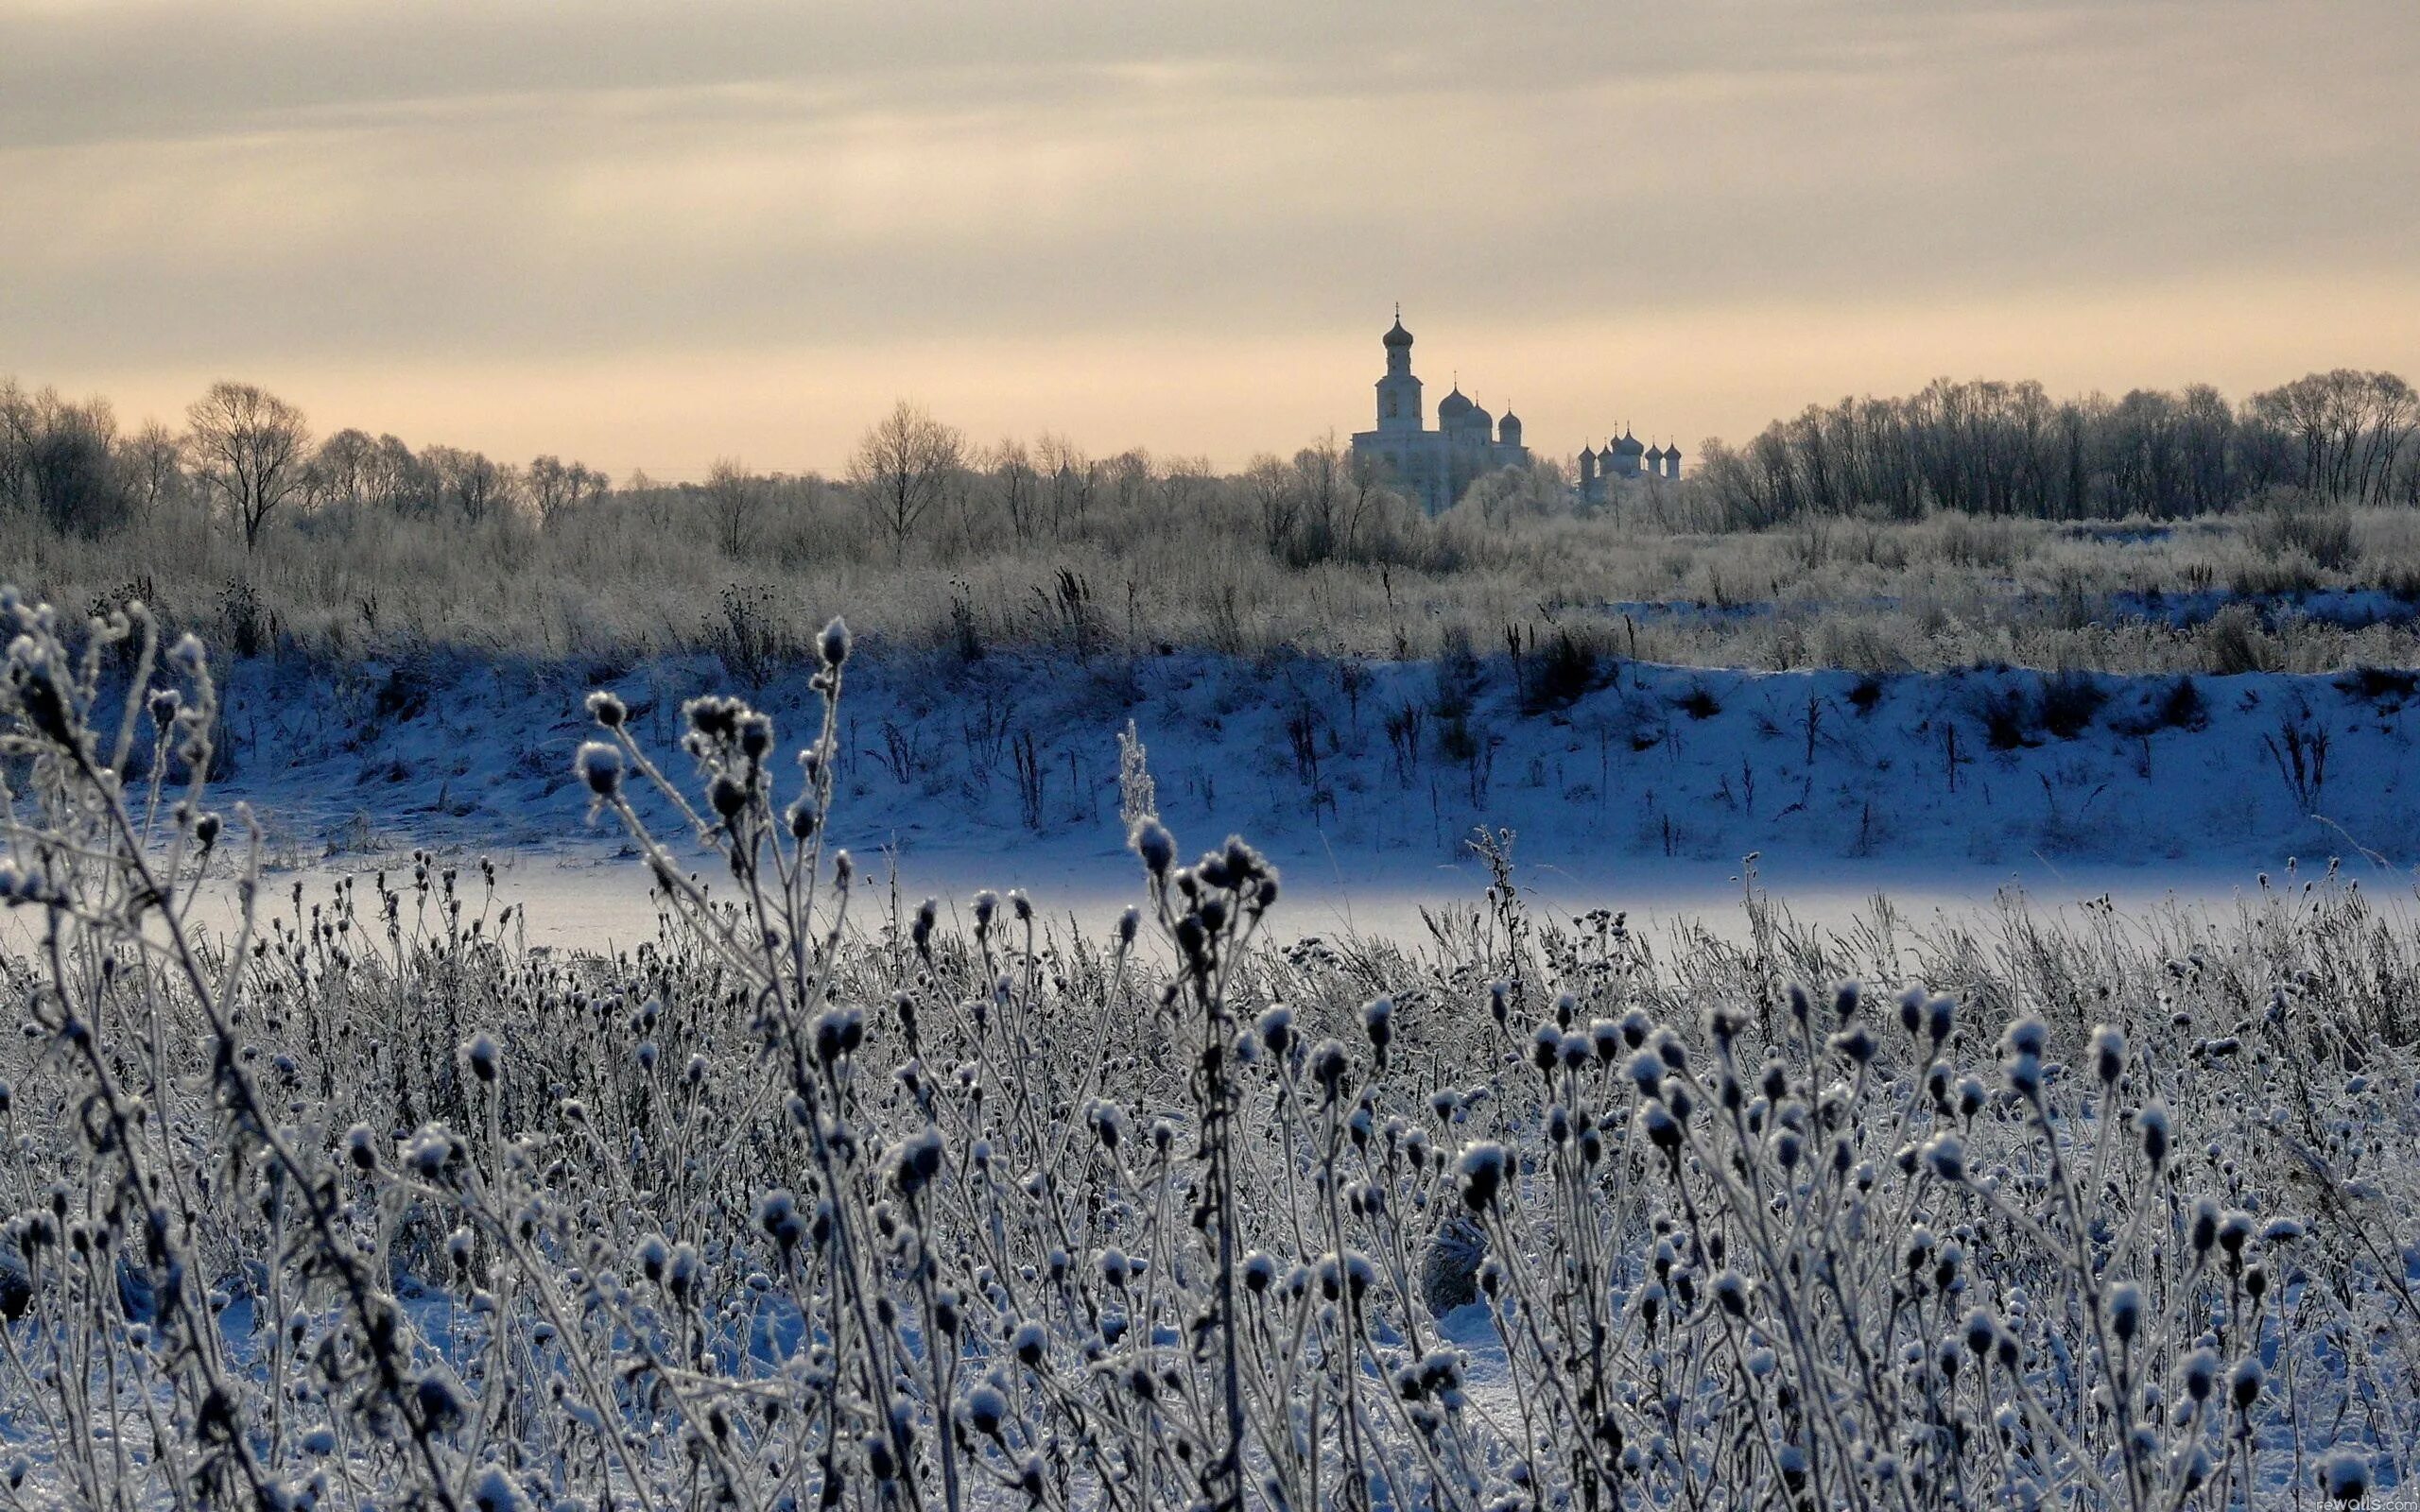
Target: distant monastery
1622 460
1437 467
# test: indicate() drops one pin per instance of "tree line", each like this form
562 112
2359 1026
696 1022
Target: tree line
247 459
1992 448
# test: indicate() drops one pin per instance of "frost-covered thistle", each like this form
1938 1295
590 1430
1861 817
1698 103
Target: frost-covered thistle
834 644
2345 1475
783 1209
1138 796
600 767
1151 840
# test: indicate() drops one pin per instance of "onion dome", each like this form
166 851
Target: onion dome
1397 335
1628 445
1453 406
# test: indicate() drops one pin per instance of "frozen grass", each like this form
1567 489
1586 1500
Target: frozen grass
1180 560
363 1205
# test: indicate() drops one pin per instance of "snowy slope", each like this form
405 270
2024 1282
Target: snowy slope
1379 768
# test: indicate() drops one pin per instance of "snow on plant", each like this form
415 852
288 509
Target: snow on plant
361 1204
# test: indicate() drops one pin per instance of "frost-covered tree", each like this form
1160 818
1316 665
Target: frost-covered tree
341 472
155 467
1511 494
72 466
736 498
555 487
900 468
251 448
472 484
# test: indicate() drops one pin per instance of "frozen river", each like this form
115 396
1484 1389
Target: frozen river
586 899
590 902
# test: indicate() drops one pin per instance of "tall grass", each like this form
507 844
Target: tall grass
1182 563
813 1201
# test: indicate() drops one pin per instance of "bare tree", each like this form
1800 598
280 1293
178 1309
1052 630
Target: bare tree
1013 476
2393 411
342 471
155 467
1270 484
16 442
1131 473
1366 479
901 465
73 466
554 486
737 498
1073 478
2350 424
1184 480
1318 482
249 449
398 481
2008 449
472 483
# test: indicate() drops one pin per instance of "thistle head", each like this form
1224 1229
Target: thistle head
599 766
833 644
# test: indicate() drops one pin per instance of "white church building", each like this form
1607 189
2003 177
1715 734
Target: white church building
1437 467
1434 467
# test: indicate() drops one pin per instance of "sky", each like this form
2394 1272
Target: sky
650 235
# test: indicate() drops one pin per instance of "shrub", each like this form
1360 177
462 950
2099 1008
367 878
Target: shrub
747 636
2290 520
2178 705
2069 703
405 691
249 627
2280 576
2011 719
2378 684
1455 741
1564 673
1458 676
2232 642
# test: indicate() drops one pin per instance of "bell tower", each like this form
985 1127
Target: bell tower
1399 390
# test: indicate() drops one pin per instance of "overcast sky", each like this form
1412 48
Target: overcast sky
650 234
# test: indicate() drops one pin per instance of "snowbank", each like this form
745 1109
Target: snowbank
1370 769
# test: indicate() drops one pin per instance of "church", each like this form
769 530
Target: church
1624 460
1434 467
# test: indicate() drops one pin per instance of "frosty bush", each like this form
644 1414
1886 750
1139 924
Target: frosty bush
362 1204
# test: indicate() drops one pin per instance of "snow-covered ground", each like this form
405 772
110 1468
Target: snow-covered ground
1641 787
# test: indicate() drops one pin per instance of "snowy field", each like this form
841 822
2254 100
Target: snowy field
1374 1169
